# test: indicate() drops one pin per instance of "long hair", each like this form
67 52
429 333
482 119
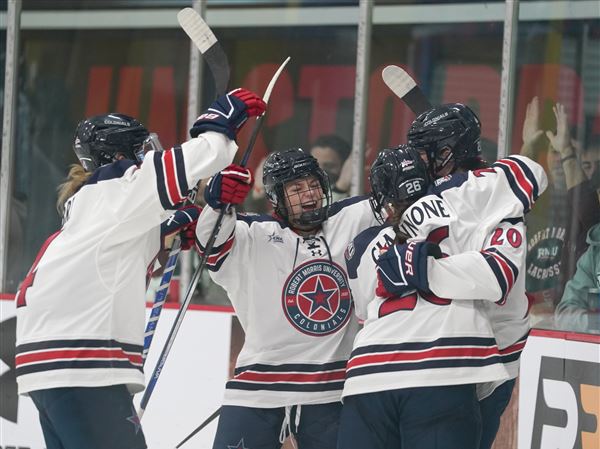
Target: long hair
75 179
396 209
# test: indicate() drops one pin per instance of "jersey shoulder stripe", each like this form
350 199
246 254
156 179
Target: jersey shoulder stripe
521 182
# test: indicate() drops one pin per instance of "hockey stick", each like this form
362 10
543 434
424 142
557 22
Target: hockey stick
405 88
165 282
206 422
211 241
206 41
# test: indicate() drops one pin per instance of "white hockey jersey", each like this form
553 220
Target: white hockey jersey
429 340
81 309
293 301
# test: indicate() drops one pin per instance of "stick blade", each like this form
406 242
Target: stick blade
405 88
205 40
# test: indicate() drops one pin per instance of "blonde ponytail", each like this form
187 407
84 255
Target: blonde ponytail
75 179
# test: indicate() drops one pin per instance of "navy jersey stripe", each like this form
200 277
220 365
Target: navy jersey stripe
511 357
303 387
161 188
259 218
74 364
180 169
498 273
111 171
292 367
414 346
216 249
59 344
430 364
514 186
447 182
528 174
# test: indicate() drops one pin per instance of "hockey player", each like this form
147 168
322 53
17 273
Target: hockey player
285 277
449 135
80 310
411 379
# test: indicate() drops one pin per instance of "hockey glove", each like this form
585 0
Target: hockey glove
229 112
403 269
183 221
230 186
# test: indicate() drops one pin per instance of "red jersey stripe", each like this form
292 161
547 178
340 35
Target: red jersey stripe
171 177
437 353
58 354
291 377
521 178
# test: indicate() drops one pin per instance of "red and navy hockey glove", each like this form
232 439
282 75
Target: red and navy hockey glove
230 186
229 112
183 221
402 269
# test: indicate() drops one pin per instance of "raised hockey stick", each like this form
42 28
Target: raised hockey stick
206 41
209 245
405 88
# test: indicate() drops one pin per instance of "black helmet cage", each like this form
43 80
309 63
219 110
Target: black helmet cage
397 175
98 139
283 167
451 126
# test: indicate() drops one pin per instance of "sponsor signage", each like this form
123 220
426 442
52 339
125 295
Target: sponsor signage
559 395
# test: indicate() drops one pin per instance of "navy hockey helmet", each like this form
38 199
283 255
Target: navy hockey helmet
100 138
451 126
286 166
398 175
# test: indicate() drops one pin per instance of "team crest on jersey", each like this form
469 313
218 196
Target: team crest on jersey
316 298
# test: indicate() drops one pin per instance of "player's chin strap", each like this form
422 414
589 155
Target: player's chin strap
286 426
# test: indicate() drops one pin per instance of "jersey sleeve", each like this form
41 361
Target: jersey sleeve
507 189
165 178
232 234
488 274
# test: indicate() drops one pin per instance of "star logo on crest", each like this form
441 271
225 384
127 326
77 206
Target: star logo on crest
240 445
319 298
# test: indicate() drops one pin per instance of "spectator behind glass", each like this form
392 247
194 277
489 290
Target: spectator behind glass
332 152
557 234
579 308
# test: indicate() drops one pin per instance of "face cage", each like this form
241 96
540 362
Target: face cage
306 219
377 202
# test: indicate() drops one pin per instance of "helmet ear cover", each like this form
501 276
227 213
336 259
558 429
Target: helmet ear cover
290 165
398 176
